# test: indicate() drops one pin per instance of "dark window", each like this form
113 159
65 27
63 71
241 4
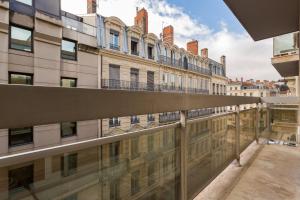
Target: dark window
185 63
135 120
69 164
71 197
151 118
151 177
68 129
20 178
27 2
69 49
20 38
135 183
150 143
135 148
114 122
68 82
134 78
20 78
115 190
114 153
114 40
150 52
134 46
20 136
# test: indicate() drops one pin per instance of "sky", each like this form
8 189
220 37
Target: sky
208 21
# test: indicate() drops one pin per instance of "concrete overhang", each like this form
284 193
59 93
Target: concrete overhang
266 18
287 65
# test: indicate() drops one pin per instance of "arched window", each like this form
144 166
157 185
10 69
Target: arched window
185 62
172 57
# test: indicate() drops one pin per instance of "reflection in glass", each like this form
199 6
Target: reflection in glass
20 136
27 2
100 172
22 79
68 129
68 82
68 50
21 39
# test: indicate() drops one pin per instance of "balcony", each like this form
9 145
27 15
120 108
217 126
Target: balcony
200 70
78 26
188 154
114 46
140 86
286 54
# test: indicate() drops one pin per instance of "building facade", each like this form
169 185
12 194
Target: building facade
251 88
42 45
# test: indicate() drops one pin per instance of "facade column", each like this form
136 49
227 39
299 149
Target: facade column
237 135
183 154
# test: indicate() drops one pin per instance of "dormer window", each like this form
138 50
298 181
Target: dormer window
150 52
134 46
114 40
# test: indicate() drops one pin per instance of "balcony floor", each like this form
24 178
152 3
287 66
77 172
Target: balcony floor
267 172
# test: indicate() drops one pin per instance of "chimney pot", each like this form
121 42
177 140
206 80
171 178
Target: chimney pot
91 6
141 19
204 53
192 46
168 35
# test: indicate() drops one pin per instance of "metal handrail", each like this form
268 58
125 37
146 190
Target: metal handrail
23 106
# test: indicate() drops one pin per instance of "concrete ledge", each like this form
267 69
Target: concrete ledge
222 186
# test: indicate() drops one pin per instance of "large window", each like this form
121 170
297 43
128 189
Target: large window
135 183
134 46
68 164
69 49
114 122
20 39
20 178
27 2
20 136
20 78
135 148
68 82
114 40
68 129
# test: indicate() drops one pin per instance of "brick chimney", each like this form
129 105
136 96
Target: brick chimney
192 46
91 6
141 19
204 53
168 35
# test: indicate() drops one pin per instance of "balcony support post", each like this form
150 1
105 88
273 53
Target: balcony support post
269 121
257 122
183 154
237 135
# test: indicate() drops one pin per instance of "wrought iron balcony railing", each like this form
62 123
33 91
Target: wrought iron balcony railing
140 86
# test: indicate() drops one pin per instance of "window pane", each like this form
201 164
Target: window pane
68 129
20 136
20 178
20 79
68 50
21 39
68 82
28 2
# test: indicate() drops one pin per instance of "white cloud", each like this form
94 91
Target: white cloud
245 58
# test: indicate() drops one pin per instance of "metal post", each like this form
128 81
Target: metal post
257 123
268 119
237 135
183 154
